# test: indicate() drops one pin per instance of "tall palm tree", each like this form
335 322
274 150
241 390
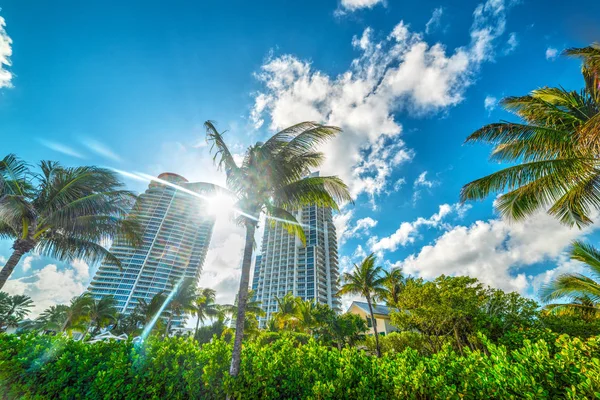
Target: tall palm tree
148 309
555 151
365 280
582 291
204 306
393 284
181 301
286 315
62 213
101 313
306 314
14 308
273 178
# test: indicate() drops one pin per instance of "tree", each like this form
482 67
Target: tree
52 319
554 151
273 178
62 213
77 312
286 315
306 314
101 313
181 301
582 291
13 309
393 284
204 306
365 280
253 311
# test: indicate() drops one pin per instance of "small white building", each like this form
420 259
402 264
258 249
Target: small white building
381 314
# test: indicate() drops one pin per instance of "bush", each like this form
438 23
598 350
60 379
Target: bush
39 367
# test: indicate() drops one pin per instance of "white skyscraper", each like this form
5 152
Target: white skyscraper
176 235
285 265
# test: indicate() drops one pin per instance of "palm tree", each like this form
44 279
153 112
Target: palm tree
554 151
101 313
181 301
147 310
583 291
76 312
287 311
366 280
62 213
204 306
273 178
306 314
52 319
13 308
253 311
393 284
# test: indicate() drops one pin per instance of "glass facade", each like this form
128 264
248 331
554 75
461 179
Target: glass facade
176 235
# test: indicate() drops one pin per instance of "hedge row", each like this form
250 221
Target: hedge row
36 367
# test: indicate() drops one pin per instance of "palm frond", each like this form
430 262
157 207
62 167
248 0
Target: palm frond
222 156
277 215
326 191
66 248
13 176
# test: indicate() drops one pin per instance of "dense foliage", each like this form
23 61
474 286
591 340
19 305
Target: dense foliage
177 368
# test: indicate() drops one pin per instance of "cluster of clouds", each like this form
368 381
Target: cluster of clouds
50 284
401 72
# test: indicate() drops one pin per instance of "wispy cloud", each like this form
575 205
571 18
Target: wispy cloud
5 53
100 149
353 5
434 22
490 103
551 53
61 148
511 43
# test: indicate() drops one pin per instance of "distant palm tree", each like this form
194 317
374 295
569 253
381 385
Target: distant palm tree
204 306
148 309
555 151
365 280
52 319
306 314
101 313
393 284
13 309
286 315
583 291
181 302
62 213
76 312
273 178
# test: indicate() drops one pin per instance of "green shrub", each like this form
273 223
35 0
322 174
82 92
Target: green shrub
41 367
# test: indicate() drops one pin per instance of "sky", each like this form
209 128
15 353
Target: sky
128 85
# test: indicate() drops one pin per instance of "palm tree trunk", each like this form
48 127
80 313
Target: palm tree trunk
374 323
168 325
242 299
197 324
10 266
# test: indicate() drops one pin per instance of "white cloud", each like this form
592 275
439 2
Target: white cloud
402 72
61 148
27 263
551 53
408 231
422 181
495 251
399 183
511 43
50 285
490 103
353 5
5 53
341 221
101 149
435 20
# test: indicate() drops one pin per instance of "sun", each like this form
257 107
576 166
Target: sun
220 205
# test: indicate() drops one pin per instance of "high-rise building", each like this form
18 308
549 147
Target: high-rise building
285 265
176 234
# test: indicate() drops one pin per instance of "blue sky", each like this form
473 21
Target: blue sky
129 85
